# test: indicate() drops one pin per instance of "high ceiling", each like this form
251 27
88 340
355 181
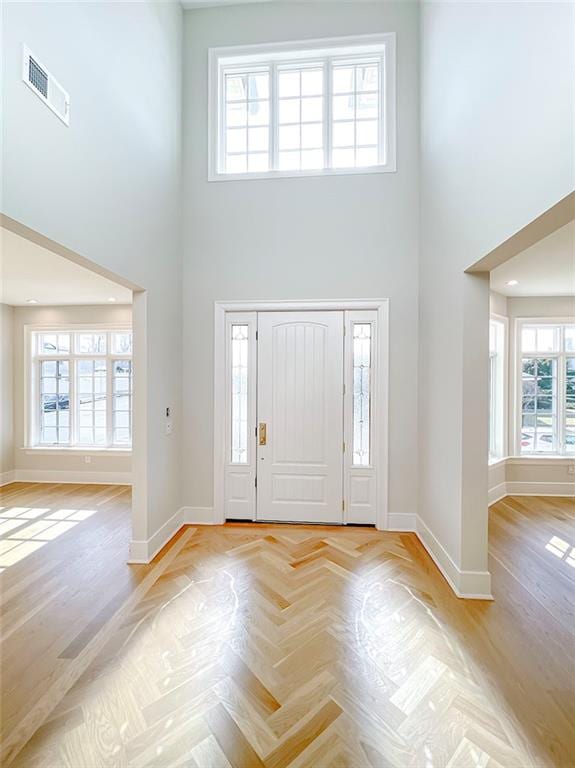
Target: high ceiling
30 272
545 269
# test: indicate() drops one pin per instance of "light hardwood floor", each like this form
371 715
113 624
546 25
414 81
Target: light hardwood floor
308 646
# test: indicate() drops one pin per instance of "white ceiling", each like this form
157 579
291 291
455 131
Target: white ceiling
545 269
28 271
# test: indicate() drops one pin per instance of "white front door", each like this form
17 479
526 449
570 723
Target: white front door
300 416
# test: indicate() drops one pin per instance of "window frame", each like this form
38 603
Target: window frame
504 390
561 357
300 53
32 375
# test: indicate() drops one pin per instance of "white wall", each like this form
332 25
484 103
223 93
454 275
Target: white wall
6 392
299 238
32 465
496 151
108 187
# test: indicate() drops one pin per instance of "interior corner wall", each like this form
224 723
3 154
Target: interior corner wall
496 113
330 237
6 393
108 186
31 465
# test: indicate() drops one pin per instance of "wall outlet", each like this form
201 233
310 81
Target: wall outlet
571 469
87 459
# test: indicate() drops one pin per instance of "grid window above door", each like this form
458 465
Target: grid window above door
300 109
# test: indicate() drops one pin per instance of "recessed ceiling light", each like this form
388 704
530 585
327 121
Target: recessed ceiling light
112 299
512 282
31 301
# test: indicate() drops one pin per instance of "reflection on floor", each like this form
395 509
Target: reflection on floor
306 646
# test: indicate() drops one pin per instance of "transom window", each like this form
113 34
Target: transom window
81 388
316 107
547 388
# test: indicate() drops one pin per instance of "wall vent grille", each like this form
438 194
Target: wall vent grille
45 86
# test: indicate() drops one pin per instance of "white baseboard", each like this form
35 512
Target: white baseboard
65 476
144 551
496 493
468 584
402 521
198 515
522 488
7 477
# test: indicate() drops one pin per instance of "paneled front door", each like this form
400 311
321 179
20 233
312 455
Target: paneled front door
300 416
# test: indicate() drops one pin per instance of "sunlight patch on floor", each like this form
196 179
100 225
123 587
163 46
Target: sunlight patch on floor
24 530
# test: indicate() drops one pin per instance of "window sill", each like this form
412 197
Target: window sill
214 176
559 459
493 462
34 450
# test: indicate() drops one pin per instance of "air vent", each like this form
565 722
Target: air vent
45 86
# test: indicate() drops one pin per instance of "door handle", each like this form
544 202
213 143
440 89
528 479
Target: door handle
263 433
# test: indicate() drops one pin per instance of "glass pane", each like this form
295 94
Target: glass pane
343 79
258 139
236 87
570 338
91 343
367 78
289 111
258 86
239 399
54 401
289 84
236 139
258 162
312 82
289 137
361 393
258 113
311 110
359 109
53 344
91 387
122 402
122 343
344 134
366 156
542 338
236 114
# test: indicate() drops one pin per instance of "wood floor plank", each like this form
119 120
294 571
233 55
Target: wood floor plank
294 647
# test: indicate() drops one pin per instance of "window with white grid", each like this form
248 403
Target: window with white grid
300 99
80 381
546 384
318 107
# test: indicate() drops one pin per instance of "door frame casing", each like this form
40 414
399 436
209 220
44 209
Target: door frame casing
381 423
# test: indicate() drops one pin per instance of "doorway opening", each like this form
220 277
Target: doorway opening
301 412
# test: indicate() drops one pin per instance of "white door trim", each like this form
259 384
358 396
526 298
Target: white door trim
381 425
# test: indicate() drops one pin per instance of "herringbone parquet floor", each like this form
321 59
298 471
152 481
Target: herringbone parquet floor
284 646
